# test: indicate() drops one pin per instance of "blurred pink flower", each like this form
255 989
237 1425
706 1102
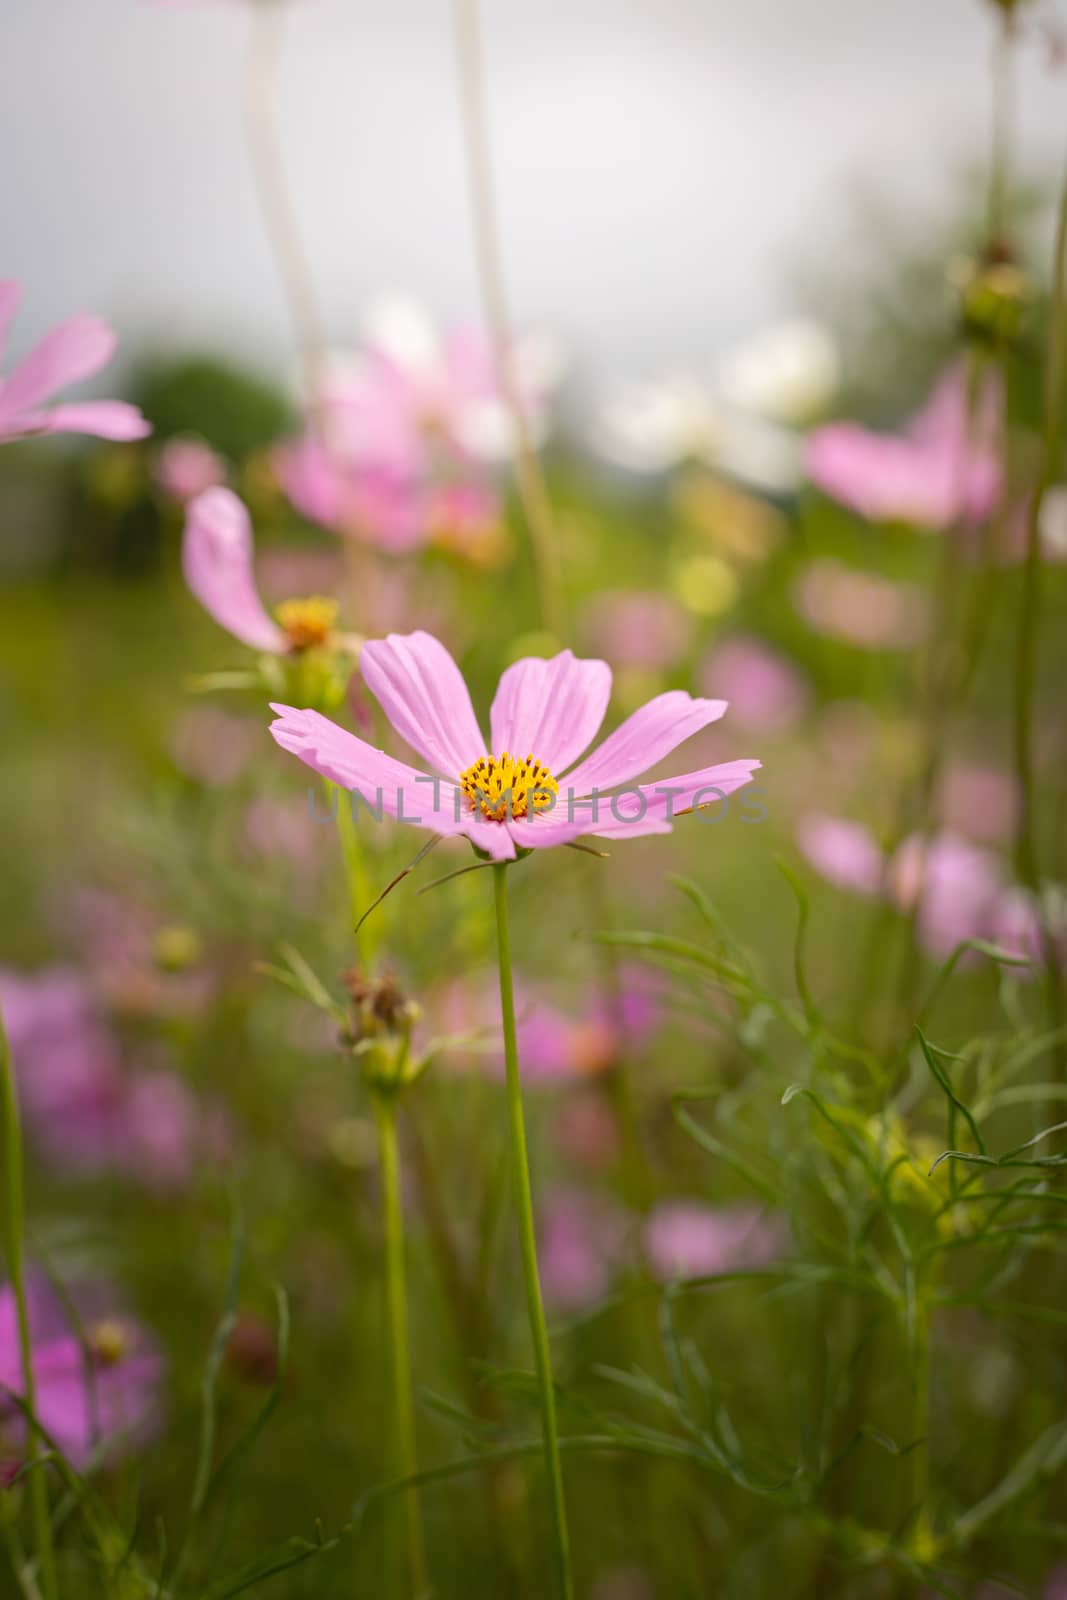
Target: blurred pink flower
581 1244
941 470
638 628
97 1398
556 1046
83 1110
980 802
128 951
684 1239
861 608
406 433
67 1063
74 350
762 687
844 853
954 886
186 466
1016 927
586 1129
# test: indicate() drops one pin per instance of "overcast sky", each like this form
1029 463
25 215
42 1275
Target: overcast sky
659 160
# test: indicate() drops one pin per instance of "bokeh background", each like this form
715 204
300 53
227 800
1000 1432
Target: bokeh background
810 1364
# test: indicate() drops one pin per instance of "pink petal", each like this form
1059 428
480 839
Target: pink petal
651 733
422 692
671 798
217 563
10 295
74 350
643 809
104 419
552 709
405 794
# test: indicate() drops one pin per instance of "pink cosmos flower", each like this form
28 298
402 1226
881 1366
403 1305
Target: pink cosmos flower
942 469
764 689
186 467
527 789
74 350
406 434
414 392
217 563
686 1240
103 1407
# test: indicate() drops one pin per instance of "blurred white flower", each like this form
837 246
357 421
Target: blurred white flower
746 424
1053 525
788 374
651 427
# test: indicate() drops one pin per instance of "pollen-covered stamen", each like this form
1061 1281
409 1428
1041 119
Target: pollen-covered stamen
508 787
307 623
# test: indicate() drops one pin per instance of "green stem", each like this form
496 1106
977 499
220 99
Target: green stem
527 1238
14 1212
385 1117
1026 660
920 1426
359 891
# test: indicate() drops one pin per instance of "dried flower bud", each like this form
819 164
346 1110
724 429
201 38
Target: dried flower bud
995 294
252 1351
382 1018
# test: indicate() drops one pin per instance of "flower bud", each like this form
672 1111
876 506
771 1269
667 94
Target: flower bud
994 295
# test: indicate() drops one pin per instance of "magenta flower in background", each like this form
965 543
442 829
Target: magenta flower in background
861 608
845 853
74 350
980 802
943 469
525 792
763 688
136 962
186 466
83 1110
684 1239
953 886
97 1399
582 1242
69 1073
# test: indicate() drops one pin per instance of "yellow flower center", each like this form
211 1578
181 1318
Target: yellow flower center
508 787
306 623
